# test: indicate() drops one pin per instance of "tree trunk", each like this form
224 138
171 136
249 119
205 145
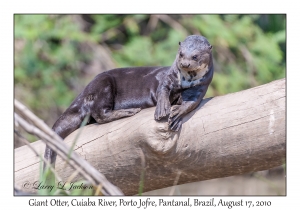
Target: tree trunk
226 135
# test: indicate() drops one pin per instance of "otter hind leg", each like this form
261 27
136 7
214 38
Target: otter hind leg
105 116
102 104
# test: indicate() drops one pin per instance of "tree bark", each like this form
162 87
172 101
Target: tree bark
226 135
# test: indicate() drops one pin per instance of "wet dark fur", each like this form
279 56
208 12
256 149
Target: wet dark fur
123 92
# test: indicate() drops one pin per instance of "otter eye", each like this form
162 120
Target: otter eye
194 57
180 54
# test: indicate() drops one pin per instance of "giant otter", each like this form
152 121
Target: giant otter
175 91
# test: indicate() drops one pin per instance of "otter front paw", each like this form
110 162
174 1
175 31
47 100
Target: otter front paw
162 109
175 118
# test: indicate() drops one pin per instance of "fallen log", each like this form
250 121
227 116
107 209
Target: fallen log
226 135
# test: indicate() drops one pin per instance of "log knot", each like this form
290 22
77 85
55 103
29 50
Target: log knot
159 139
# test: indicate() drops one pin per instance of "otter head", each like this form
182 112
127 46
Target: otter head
194 56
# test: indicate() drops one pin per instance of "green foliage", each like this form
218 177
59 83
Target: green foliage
47 63
248 50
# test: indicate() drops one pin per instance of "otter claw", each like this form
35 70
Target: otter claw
175 119
175 125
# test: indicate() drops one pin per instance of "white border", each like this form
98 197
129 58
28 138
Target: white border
8 8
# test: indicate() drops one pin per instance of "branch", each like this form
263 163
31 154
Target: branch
227 135
55 142
25 141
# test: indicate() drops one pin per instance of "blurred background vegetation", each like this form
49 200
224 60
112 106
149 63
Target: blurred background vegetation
57 55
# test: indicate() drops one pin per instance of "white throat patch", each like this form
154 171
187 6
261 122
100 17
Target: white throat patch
192 78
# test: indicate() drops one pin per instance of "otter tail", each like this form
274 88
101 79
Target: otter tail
68 122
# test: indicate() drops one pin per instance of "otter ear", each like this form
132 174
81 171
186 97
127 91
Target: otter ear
210 47
179 43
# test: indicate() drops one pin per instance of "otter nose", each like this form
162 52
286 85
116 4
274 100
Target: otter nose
185 65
